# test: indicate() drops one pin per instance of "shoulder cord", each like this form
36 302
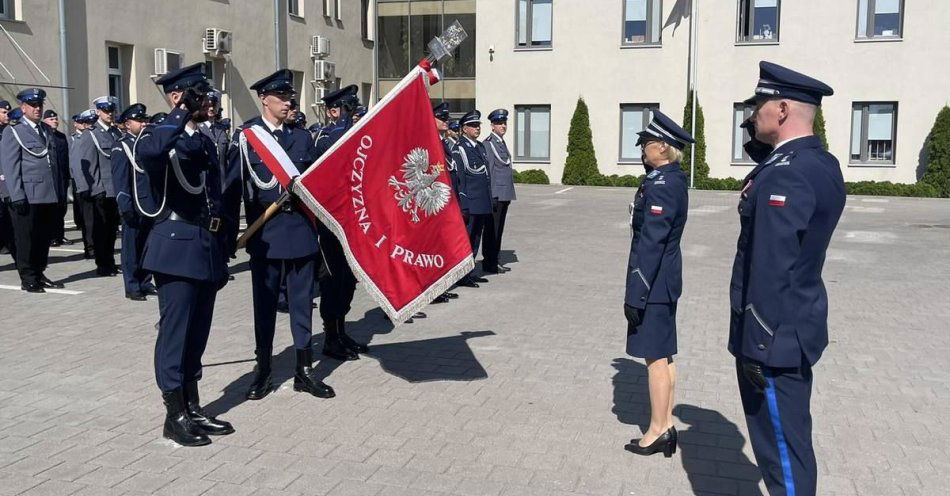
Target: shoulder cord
42 154
493 150
182 180
135 183
98 146
242 140
477 171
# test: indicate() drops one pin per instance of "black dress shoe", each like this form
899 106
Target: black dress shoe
54 243
178 425
210 425
32 287
135 296
262 385
450 296
105 272
468 282
304 380
419 315
230 277
441 299
333 346
666 444
502 268
65 241
47 283
350 343
150 291
479 279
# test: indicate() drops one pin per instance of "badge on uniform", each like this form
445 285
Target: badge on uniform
776 201
656 210
652 174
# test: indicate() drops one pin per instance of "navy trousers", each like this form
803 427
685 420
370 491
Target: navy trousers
339 284
135 279
266 286
779 422
186 307
481 229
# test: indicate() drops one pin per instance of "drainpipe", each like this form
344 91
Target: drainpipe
62 61
277 34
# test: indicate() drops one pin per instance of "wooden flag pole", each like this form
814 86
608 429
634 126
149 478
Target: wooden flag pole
272 209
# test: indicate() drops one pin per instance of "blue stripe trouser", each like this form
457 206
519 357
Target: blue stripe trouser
186 307
779 422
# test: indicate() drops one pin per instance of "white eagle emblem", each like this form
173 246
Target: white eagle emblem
421 188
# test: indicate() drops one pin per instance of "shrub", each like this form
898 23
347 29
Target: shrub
937 173
702 167
819 128
531 176
581 165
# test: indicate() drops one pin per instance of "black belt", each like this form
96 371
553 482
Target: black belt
212 224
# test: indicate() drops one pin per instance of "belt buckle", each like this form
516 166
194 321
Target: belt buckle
215 224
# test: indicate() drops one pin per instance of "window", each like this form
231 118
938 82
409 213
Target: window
532 132
6 9
534 23
114 74
633 118
740 112
758 21
641 22
393 55
873 132
880 18
293 8
338 11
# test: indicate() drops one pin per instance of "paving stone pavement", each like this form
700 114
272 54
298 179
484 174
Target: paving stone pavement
518 388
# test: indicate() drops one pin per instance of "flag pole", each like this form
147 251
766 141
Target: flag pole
693 27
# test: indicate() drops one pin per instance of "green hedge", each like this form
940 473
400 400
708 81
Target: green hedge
887 188
581 165
531 176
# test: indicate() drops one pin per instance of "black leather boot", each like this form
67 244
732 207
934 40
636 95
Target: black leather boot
262 385
350 343
303 376
178 425
333 346
210 425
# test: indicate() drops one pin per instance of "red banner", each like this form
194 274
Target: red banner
384 191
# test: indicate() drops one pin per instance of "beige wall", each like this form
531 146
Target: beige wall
587 60
178 25
37 32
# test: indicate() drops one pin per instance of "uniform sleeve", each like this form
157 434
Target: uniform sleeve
232 186
12 167
460 159
152 149
120 180
80 161
662 203
784 205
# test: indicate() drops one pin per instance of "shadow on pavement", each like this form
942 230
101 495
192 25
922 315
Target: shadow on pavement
448 358
506 257
710 446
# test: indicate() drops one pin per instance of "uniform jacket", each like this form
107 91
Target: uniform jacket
62 162
30 170
449 146
90 160
219 136
788 210
192 190
474 178
655 268
4 193
122 176
290 233
502 180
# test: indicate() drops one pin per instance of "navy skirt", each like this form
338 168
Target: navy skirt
655 337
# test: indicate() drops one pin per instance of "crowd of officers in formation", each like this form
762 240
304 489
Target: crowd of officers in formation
175 183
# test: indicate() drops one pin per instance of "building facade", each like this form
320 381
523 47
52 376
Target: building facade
886 60
119 47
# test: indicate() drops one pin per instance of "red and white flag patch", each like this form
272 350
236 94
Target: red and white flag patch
656 210
776 201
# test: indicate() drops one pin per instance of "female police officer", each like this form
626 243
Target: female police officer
654 281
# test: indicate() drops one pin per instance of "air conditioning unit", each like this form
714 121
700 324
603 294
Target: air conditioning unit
165 61
216 42
319 47
324 70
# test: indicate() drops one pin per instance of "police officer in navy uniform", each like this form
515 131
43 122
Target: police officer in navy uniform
338 284
502 183
6 224
132 197
91 162
28 156
788 210
474 191
51 118
185 250
654 274
441 114
287 246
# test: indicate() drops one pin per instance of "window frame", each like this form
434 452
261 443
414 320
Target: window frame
869 23
646 121
115 72
530 45
649 30
747 40
747 112
295 8
8 13
527 133
864 161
